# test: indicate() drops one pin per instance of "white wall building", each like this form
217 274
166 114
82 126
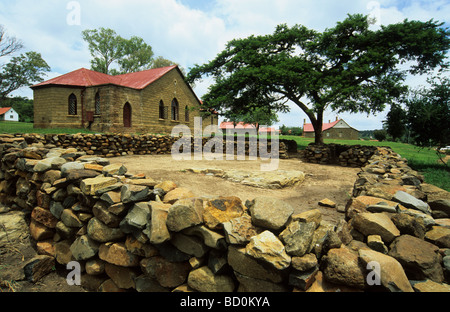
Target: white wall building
8 114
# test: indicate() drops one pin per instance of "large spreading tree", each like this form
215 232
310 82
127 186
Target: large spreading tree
348 68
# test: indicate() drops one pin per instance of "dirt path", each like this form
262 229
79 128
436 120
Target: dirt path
321 181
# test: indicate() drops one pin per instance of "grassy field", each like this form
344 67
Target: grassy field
423 160
22 127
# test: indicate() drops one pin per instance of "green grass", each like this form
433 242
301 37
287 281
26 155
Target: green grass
12 127
425 161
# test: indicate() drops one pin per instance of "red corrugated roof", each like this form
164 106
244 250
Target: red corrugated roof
309 127
239 125
4 110
268 130
87 78
142 79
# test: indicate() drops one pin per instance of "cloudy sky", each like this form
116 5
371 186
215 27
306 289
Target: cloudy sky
193 31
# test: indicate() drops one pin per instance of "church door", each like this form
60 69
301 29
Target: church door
127 115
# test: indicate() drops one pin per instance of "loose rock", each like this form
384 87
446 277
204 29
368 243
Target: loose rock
268 248
270 212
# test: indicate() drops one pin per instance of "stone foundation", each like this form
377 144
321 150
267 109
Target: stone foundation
131 233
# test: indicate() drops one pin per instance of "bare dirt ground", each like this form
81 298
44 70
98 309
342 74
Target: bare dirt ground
13 257
321 182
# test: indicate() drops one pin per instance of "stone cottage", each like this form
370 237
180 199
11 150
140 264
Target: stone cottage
338 129
150 101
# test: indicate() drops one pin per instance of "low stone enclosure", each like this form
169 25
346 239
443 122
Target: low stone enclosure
131 233
342 155
113 145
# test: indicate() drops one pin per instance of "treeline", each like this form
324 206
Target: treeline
297 131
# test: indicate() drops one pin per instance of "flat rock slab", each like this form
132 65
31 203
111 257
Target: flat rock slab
263 179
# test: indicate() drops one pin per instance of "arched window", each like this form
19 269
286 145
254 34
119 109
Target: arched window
186 114
174 109
72 104
162 113
97 103
127 115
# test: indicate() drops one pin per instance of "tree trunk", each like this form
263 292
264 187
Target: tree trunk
318 138
318 125
316 122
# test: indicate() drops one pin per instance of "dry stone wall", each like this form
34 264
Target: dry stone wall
343 155
114 145
131 233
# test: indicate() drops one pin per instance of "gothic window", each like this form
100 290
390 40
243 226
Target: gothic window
174 110
97 103
186 114
72 104
162 110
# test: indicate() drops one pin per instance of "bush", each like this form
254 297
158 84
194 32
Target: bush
297 131
380 135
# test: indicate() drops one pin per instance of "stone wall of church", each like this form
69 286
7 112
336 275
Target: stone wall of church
51 107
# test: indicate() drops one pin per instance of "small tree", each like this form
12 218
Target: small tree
380 135
258 116
107 47
395 123
428 113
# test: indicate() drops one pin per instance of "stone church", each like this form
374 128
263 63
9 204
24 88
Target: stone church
150 101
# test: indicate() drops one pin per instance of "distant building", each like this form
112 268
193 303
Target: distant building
339 130
151 101
8 114
241 127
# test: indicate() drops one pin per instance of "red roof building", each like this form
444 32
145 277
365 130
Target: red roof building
88 78
153 100
243 127
338 129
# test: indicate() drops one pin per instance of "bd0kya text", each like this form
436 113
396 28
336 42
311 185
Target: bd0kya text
246 302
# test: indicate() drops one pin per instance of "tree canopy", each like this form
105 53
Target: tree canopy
129 55
107 47
395 123
348 68
428 113
20 71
